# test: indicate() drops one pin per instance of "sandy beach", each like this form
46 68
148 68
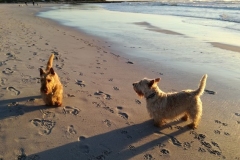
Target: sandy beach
101 116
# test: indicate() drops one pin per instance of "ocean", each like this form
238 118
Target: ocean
177 34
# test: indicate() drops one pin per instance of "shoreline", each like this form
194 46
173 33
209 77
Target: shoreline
226 46
100 108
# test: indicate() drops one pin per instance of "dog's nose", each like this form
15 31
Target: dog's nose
133 84
44 89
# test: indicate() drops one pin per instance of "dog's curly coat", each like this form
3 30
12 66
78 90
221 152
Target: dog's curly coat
168 106
51 87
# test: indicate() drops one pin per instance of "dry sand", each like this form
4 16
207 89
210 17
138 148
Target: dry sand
101 116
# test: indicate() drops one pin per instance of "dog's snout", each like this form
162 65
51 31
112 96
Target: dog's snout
44 89
133 84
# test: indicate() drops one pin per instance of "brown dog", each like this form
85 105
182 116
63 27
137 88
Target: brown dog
168 106
51 87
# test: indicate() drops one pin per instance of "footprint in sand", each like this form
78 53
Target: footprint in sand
71 130
80 83
200 149
200 137
108 109
187 145
224 124
178 127
71 110
7 71
96 104
108 122
55 53
165 151
3 81
226 134
30 67
116 88
122 114
111 79
47 114
105 95
10 56
237 114
175 141
45 126
210 92
212 147
2 63
70 95
137 101
160 145
42 60
13 90
22 155
129 62
219 122
59 66
217 132
148 157
131 147
105 152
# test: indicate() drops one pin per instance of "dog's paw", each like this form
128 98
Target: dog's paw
157 124
192 126
58 104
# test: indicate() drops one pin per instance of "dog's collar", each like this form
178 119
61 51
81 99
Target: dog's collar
151 95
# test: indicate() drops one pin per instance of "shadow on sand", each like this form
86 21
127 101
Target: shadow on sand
17 106
122 143
116 144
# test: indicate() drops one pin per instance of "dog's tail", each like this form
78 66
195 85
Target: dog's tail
50 62
202 85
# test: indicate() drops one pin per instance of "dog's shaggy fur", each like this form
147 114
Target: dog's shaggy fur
169 106
51 87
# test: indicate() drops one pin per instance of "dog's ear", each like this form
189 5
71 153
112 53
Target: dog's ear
52 71
41 71
157 80
151 83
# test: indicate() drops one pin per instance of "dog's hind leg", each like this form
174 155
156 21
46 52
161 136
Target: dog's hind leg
196 116
158 123
185 117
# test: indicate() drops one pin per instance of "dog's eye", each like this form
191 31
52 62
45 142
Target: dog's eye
48 80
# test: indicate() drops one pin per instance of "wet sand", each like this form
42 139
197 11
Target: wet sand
226 46
101 116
